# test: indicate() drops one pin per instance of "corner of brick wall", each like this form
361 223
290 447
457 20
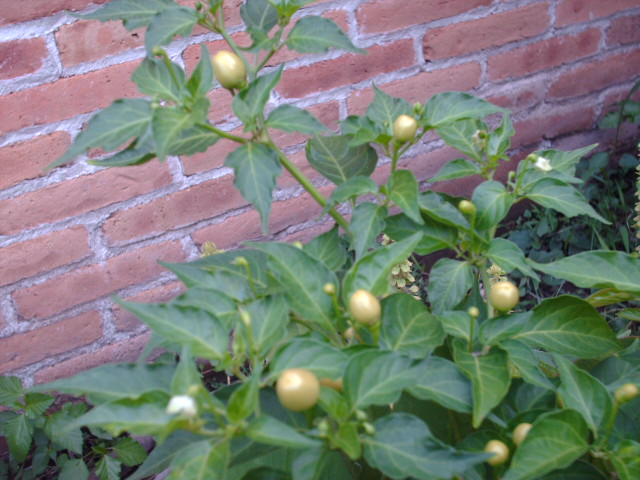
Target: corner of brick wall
72 237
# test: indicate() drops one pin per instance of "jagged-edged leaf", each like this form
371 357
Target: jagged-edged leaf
556 440
10 389
249 103
74 469
458 168
129 451
328 248
435 236
493 202
108 468
403 191
408 327
19 434
367 221
133 13
167 24
563 198
442 381
317 35
256 169
597 269
293 119
337 161
447 107
569 326
489 375
110 128
403 447
449 282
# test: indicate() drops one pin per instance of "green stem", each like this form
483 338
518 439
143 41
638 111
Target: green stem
222 30
486 282
608 429
472 333
222 133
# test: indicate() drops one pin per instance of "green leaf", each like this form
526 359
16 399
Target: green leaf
249 103
37 403
561 197
565 162
456 323
192 140
153 77
108 468
270 431
317 34
316 356
372 271
10 390
569 326
114 381
626 459
328 249
449 282
367 221
583 393
19 434
347 439
203 460
403 191
293 119
352 188
321 464
493 202
201 79
503 327
162 454
500 138
597 269
202 331
64 438
335 159
509 257
129 451
579 470
458 168
260 17
433 205
385 109
408 327
441 381
167 24
376 378
303 278
269 317
521 356
404 447
133 13
244 400
435 236
74 469
489 374
256 169
459 134
168 125
447 107
556 440
110 128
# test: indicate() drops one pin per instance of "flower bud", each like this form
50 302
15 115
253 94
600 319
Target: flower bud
182 404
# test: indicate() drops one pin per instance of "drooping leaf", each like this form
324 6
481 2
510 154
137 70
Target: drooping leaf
256 169
337 161
449 282
289 118
317 34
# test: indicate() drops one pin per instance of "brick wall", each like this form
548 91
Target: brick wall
71 238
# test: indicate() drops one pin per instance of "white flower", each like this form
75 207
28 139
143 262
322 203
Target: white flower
183 404
543 164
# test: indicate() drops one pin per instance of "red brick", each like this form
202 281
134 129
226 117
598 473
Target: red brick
66 97
80 195
552 123
493 30
385 16
22 349
200 202
521 95
13 12
94 281
596 75
328 113
213 158
309 233
231 10
26 160
246 226
21 57
31 257
125 351
347 69
574 11
126 320
88 41
624 30
422 86
299 159
542 55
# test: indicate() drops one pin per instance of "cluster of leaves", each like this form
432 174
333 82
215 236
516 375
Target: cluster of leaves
417 390
42 445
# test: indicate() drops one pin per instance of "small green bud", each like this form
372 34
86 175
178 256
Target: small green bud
626 392
329 288
473 312
241 262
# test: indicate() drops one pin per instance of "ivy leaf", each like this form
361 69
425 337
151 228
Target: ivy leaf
335 159
449 282
293 119
256 169
168 23
317 35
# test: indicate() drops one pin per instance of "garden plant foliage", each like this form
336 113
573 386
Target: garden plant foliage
414 390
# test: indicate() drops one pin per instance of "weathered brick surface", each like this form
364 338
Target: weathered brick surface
79 195
44 253
24 10
41 343
573 11
550 124
126 320
624 30
26 160
475 35
21 57
91 282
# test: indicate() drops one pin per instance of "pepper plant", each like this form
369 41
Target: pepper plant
340 374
